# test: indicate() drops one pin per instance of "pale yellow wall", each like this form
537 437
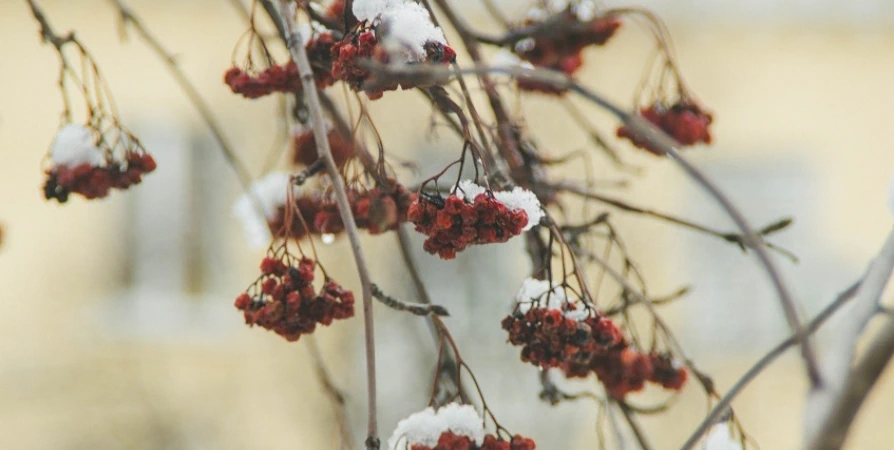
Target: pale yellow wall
818 97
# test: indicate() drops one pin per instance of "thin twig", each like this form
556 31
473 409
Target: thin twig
299 55
229 152
412 308
735 238
333 392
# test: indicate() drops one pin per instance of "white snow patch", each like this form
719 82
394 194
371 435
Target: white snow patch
546 295
426 426
408 25
507 60
720 438
516 199
75 145
270 194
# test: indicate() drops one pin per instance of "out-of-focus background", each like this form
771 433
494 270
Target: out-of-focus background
117 329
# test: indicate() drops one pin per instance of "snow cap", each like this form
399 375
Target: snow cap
75 145
426 426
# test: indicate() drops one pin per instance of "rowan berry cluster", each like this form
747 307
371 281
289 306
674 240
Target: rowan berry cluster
559 45
361 45
452 224
95 181
625 369
551 337
284 301
684 121
375 210
285 77
451 441
304 147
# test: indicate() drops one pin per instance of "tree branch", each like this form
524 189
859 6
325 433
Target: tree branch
724 403
299 55
831 409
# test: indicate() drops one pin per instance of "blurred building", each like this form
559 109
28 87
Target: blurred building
117 329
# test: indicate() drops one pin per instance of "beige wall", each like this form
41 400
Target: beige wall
814 99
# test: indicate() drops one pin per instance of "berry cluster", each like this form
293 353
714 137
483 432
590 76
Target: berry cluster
452 224
304 146
551 337
558 47
285 78
92 181
625 369
376 210
363 45
283 299
451 441
684 121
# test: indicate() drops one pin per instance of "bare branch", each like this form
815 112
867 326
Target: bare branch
299 55
831 409
412 308
723 405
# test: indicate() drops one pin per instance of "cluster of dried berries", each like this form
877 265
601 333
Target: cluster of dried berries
362 44
451 224
93 181
552 338
285 78
451 441
558 46
376 210
685 121
283 299
304 147
626 370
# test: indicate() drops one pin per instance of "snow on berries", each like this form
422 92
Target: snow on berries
685 121
473 216
553 331
283 299
81 166
450 427
285 77
304 146
556 333
389 31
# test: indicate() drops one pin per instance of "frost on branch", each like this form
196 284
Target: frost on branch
283 298
451 427
84 164
473 216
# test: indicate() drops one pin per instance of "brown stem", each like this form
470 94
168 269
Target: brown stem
299 55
